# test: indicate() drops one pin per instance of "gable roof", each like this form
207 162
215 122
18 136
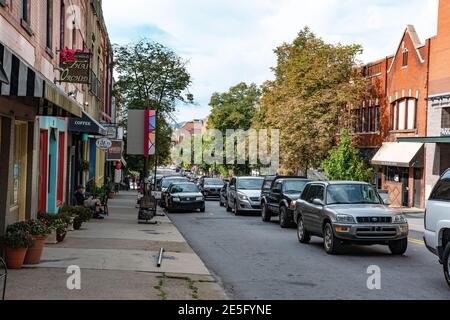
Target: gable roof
411 31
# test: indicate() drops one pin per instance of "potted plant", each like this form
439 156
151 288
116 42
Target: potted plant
17 241
61 229
39 232
77 214
109 190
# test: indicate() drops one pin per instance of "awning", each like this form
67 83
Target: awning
86 124
19 79
425 140
398 154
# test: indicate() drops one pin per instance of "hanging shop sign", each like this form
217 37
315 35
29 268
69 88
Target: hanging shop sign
150 133
115 151
75 65
104 144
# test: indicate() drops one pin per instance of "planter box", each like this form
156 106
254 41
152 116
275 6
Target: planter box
52 238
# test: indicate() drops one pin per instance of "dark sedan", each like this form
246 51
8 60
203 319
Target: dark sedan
184 197
210 187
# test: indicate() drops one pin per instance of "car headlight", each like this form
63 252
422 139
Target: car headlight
399 219
293 205
199 199
243 197
344 218
176 199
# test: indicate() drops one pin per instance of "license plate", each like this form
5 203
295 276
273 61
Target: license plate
157 195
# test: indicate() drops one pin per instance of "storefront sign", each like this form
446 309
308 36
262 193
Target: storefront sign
75 65
115 151
86 124
104 144
150 133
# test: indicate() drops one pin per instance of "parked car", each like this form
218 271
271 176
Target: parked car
165 184
349 213
437 223
279 196
184 197
210 187
244 194
224 195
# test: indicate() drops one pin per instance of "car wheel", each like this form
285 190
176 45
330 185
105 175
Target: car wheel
284 219
265 214
331 244
202 210
446 262
398 247
303 235
221 203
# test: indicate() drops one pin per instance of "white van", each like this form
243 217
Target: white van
437 222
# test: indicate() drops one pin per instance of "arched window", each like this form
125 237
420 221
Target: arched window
404 114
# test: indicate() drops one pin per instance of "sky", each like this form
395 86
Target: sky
230 41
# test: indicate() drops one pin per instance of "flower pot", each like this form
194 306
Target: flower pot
70 225
15 257
51 239
61 236
77 225
34 253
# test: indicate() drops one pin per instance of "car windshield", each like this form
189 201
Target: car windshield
214 182
166 182
184 188
250 184
294 186
352 194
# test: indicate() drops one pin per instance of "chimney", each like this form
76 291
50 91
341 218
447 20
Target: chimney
444 17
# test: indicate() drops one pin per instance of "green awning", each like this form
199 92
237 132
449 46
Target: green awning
426 140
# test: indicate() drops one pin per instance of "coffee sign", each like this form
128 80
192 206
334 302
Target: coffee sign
75 65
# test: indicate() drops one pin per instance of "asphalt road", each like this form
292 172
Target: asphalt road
256 260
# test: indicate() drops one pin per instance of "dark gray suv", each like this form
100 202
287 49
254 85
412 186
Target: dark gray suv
349 213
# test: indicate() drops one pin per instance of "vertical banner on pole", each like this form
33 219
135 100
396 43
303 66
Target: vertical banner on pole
150 133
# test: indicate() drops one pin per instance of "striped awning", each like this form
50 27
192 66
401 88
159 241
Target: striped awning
19 79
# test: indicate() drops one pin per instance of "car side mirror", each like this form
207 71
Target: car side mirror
387 202
318 202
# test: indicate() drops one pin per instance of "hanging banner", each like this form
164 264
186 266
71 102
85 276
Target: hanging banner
75 65
150 133
115 151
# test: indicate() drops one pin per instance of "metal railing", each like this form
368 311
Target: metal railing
3 276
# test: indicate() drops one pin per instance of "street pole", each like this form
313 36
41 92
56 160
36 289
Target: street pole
156 148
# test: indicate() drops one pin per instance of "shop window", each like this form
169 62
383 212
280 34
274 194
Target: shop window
445 122
404 115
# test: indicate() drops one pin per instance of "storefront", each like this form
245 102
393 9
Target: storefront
25 94
402 169
86 161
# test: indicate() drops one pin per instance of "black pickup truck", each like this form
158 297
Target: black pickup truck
278 198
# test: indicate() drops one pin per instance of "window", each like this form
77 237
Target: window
316 192
25 11
377 119
404 115
405 57
364 120
370 120
49 30
445 122
62 26
358 120
442 191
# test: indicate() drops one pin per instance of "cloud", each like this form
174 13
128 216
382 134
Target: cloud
229 41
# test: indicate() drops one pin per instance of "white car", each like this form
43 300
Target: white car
437 223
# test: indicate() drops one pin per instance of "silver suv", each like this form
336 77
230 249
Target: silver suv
349 213
244 195
437 222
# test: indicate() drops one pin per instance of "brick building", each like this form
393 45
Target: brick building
403 130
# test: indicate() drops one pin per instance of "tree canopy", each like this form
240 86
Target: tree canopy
314 84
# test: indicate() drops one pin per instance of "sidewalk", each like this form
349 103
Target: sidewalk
117 257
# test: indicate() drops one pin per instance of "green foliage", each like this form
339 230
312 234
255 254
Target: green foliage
344 163
38 228
18 236
48 218
314 83
152 76
80 213
85 165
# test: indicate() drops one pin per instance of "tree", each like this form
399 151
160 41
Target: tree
234 110
314 84
151 76
344 163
